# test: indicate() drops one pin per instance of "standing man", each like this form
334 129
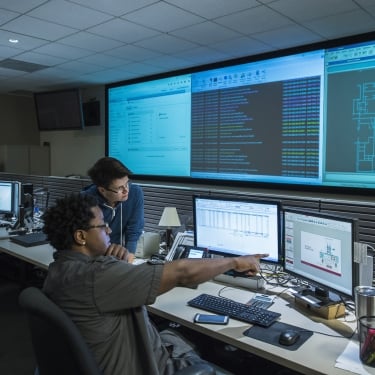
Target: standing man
121 201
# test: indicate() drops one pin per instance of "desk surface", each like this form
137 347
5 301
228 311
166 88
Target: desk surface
316 356
40 256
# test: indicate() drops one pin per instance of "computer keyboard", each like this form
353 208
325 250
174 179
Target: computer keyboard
30 239
236 310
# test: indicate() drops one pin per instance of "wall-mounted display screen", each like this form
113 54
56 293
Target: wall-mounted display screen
305 119
59 110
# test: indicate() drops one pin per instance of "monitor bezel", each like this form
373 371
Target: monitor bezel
276 203
310 281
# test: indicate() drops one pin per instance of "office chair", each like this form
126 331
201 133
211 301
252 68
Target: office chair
59 346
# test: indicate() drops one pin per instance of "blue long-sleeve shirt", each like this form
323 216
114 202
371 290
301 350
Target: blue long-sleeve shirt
132 211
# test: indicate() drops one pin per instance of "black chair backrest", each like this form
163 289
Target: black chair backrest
58 345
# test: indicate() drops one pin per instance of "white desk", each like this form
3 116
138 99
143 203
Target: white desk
40 256
316 356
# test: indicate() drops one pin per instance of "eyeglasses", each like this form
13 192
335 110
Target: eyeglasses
103 226
121 189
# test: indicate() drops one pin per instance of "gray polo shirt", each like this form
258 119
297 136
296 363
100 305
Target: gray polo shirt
105 297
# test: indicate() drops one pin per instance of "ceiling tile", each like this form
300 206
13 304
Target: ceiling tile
69 14
6 52
7 15
38 58
166 43
203 55
90 41
109 76
169 17
240 47
133 53
345 24
289 36
38 28
80 67
63 51
256 20
206 33
307 10
104 61
115 7
20 6
123 31
211 9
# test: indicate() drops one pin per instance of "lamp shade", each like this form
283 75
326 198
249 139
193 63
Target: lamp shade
169 218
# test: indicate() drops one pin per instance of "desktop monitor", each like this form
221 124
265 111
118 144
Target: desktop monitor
9 199
319 250
237 226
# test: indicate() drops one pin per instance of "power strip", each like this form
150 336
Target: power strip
255 282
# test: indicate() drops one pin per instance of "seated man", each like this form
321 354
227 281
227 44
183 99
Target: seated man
105 295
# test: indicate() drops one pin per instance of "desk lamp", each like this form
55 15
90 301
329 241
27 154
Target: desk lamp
169 219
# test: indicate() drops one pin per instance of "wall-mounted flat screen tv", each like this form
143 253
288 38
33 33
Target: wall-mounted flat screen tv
303 117
59 110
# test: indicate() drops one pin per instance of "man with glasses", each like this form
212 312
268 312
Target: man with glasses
106 296
122 203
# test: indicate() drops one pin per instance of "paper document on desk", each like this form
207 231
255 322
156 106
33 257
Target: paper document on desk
349 359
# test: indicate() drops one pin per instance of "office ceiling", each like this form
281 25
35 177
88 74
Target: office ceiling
81 43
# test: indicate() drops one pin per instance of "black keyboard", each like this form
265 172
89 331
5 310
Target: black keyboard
235 310
30 239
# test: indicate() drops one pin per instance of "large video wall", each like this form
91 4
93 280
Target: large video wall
304 118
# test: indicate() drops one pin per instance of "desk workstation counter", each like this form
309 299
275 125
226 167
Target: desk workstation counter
317 355
40 256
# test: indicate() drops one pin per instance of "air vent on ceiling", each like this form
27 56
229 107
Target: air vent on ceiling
23 66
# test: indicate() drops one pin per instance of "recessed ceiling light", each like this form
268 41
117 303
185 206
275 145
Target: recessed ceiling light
11 40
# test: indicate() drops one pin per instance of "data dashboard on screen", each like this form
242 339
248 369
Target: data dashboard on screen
232 227
319 249
303 118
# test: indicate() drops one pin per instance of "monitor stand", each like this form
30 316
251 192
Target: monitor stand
318 301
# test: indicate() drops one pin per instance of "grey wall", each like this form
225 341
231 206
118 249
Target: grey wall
71 152
18 124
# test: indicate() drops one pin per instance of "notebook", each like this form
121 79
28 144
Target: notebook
30 239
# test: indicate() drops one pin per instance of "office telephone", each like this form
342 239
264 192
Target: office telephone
183 247
191 252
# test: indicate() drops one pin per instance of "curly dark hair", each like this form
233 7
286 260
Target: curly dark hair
69 214
107 169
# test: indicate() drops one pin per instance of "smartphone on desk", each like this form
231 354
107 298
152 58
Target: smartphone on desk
211 319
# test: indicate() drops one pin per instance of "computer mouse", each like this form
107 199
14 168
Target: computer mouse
288 337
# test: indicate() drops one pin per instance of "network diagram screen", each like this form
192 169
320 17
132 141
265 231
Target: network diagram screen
319 249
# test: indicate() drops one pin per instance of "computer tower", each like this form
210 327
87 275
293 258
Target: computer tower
27 201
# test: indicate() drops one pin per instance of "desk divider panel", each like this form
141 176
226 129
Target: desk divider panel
158 196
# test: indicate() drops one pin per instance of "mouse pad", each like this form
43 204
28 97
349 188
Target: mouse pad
271 334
